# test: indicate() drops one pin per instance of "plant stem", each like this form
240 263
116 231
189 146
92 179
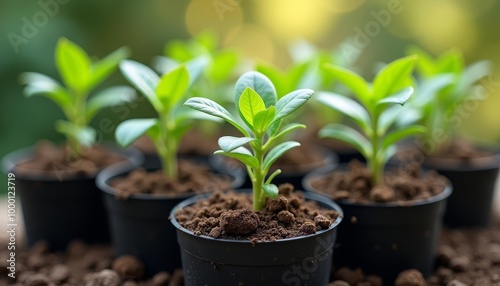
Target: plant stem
77 118
374 161
258 198
167 149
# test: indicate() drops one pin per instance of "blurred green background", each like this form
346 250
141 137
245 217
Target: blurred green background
259 28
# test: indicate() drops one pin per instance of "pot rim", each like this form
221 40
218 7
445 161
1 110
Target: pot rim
9 162
311 196
114 171
307 183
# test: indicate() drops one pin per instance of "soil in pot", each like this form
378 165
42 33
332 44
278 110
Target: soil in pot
139 202
388 228
59 199
223 242
473 173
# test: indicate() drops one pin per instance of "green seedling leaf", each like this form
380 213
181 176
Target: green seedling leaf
196 67
212 108
291 102
105 67
289 128
353 81
260 84
222 66
394 77
250 103
163 64
429 88
399 98
73 64
83 134
243 155
472 74
263 119
144 79
109 97
172 87
271 190
347 135
397 135
425 64
39 84
347 106
274 75
277 152
130 130
230 143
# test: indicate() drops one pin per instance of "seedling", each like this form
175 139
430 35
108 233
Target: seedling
444 85
372 114
165 94
80 76
261 115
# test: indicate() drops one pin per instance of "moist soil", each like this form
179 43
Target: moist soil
193 178
229 216
401 185
57 161
464 257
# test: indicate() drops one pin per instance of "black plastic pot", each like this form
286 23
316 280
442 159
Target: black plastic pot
293 177
470 205
59 211
304 260
140 225
387 238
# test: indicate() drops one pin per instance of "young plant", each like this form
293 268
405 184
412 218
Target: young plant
444 84
371 112
80 76
260 116
165 94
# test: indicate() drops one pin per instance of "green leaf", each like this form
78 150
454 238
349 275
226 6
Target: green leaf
394 77
73 64
275 75
196 67
472 74
426 65
144 79
388 117
289 128
263 119
230 143
109 97
249 105
347 135
347 106
172 87
451 61
399 98
427 90
353 81
277 152
291 102
271 190
130 130
84 135
397 135
39 84
243 155
259 83
163 64
212 108
105 67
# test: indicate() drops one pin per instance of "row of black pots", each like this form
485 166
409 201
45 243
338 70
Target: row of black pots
131 219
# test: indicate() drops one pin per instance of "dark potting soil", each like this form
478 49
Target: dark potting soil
48 157
401 185
465 257
229 216
193 178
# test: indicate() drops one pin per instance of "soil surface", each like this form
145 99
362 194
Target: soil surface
401 185
48 157
229 216
194 143
465 257
193 178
